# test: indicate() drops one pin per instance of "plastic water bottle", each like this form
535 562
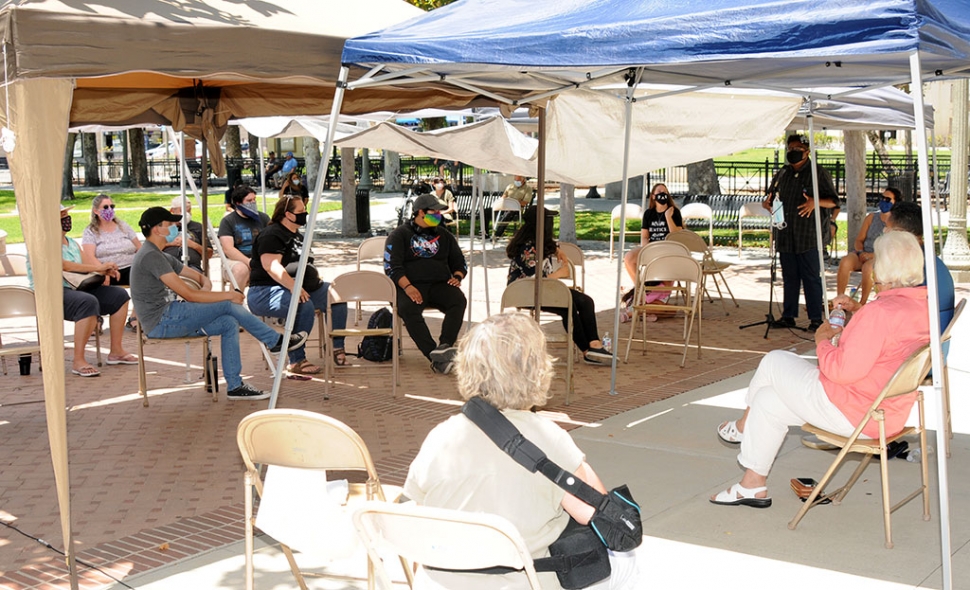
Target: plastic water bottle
915 456
837 320
608 342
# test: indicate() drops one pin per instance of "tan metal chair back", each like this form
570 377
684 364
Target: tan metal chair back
371 249
362 286
13 265
520 294
695 243
905 381
928 381
574 254
441 538
700 211
632 212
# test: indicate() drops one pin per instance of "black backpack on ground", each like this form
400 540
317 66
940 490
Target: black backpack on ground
377 348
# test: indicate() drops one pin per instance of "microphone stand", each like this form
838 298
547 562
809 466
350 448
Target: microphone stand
769 321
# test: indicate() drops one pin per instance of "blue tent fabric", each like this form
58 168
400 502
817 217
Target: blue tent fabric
570 34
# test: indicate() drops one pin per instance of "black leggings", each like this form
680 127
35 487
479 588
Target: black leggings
584 319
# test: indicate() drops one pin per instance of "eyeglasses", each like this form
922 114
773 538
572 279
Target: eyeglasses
111 206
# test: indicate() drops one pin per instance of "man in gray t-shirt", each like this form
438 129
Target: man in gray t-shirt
156 280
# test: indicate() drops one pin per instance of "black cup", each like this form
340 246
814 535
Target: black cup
25 364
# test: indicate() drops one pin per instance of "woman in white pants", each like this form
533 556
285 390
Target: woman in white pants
788 390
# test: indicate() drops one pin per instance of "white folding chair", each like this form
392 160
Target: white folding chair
712 268
507 206
311 443
520 294
441 538
700 211
749 210
17 301
577 260
632 212
370 250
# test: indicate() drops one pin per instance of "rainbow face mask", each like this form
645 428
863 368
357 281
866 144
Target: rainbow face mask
432 219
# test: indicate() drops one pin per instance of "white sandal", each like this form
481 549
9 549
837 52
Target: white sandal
729 433
740 496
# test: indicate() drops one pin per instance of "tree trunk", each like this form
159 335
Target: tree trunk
567 213
311 151
89 150
875 138
67 187
855 182
702 178
233 143
348 194
392 172
137 159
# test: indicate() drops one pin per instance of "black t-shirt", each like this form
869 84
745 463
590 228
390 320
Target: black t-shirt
656 223
275 239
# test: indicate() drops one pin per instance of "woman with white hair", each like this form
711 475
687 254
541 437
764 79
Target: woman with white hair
504 361
788 390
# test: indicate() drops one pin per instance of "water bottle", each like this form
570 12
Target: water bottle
608 342
915 456
837 320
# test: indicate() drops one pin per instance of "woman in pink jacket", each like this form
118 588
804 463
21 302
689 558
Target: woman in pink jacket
788 390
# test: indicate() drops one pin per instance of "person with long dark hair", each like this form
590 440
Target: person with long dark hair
525 258
661 219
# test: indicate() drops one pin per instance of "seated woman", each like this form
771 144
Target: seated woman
661 218
85 307
522 251
446 198
788 390
862 257
108 239
504 361
276 254
293 186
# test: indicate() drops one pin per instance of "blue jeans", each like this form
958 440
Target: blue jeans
183 318
274 301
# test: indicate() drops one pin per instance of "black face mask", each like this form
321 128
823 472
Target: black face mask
794 156
66 223
300 218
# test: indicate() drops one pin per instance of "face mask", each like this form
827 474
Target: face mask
517 183
432 219
66 223
794 156
173 232
107 214
438 187
249 210
885 206
300 218
296 182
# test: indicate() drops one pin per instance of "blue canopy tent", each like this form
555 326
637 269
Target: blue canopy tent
520 52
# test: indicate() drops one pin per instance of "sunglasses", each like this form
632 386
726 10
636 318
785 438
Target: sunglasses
887 199
108 206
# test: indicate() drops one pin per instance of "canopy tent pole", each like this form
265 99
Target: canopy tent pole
476 206
338 98
818 211
481 219
936 193
932 286
632 82
262 170
183 170
540 214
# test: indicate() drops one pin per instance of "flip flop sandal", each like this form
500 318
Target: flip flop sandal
729 433
88 371
739 496
303 367
128 359
339 357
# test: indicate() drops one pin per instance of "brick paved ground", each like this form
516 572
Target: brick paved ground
170 475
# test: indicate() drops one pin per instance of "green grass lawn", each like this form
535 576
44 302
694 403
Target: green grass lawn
129 208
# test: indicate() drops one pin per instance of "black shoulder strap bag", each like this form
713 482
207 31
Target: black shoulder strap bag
579 555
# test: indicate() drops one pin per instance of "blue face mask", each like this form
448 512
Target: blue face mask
173 232
885 206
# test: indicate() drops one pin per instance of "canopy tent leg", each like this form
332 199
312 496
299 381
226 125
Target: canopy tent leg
540 206
818 212
936 194
262 169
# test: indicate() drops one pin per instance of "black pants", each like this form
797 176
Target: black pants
801 270
584 319
441 296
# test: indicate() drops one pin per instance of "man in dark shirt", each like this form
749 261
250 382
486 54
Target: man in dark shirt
426 263
796 242
193 232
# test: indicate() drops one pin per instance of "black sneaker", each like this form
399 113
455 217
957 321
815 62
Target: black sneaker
600 354
296 341
247 392
783 323
442 367
814 325
444 353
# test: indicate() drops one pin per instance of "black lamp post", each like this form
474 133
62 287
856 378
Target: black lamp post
125 179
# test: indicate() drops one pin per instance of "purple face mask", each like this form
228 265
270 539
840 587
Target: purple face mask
107 214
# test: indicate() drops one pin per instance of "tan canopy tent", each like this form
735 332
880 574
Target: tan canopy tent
193 65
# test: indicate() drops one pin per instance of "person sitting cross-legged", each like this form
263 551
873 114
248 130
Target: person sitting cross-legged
427 265
155 282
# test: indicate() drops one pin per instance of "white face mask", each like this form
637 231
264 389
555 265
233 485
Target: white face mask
518 183
439 186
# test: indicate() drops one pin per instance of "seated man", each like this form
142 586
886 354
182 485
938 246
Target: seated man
194 233
238 230
289 165
521 192
426 263
155 282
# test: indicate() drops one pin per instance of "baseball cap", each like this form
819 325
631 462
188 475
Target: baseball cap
66 207
289 154
155 215
427 202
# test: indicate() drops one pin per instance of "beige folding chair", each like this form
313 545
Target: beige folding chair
712 268
363 286
17 301
143 339
681 269
441 538
577 260
654 250
304 440
749 210
948 422
632 212
13 265
370 250
521 295
700 211
905 381
507 205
